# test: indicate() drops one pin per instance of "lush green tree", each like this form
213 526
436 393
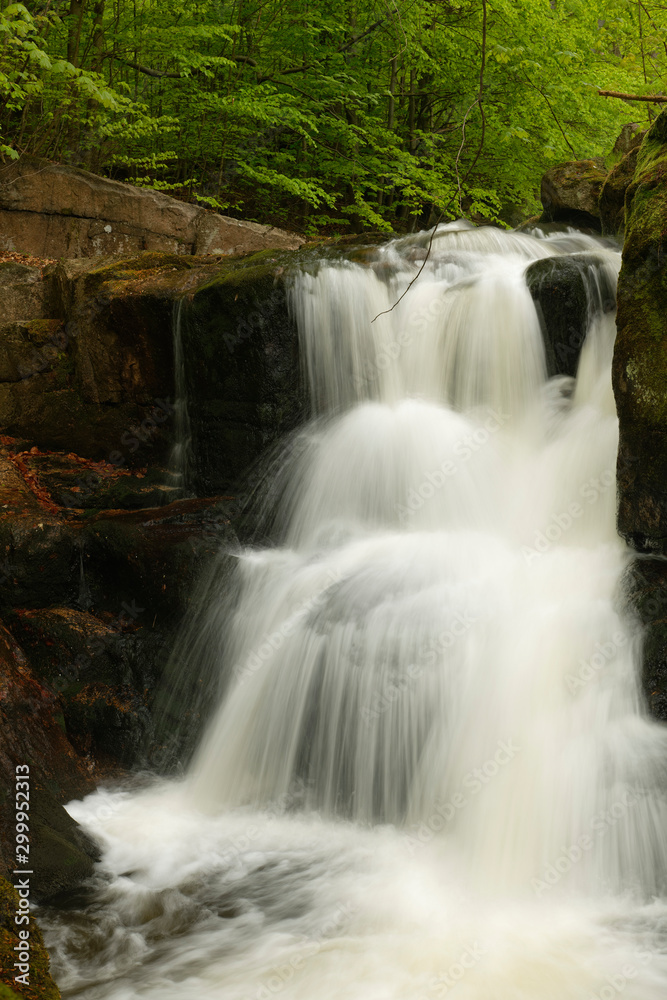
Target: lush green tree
363 113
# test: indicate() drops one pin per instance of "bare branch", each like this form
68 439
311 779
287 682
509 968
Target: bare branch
652 98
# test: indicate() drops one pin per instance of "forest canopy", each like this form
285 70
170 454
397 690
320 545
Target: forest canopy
319 115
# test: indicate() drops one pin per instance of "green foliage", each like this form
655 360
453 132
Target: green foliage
363 113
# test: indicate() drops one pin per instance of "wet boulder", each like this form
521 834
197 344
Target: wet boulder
32 734
567 291
242 368
90 662
98 378
645 588
151 559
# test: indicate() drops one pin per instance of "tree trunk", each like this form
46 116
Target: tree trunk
74 25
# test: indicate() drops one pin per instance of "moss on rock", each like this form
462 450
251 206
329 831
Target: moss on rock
640 357
41 984
612 195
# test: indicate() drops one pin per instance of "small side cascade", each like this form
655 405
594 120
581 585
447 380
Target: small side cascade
180 460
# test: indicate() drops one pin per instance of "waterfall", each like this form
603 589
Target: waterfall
431 767
180 460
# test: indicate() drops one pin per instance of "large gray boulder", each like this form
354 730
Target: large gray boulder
53 211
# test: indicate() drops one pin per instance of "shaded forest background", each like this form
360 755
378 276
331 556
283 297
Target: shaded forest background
328 116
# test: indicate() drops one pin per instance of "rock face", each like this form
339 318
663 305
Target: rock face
96 376
614 189
31 732
25 293
640 358
630 137
236 324
640 387
570 193
565 298
57 211
91 607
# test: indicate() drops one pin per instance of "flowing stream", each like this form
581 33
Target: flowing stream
431 769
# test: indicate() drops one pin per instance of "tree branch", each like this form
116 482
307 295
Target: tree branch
176 76
306 66
148 71
652 98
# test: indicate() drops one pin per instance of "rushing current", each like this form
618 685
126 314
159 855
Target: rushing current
430 768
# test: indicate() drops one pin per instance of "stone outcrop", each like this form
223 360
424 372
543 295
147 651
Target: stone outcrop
588 194
631 136
58 211
640 358
91 607
30 731
236 324
640 386
25 294
570 193
96 376
614 189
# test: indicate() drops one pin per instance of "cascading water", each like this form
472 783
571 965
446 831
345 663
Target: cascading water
431 768
180 460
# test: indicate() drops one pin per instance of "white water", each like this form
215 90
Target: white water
431 769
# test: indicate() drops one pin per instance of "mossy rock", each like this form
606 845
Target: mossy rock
640 357
614 190
8 994
645 590
640 385
570 193
41 984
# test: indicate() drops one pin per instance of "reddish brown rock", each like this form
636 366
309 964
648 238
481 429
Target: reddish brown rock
32 735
